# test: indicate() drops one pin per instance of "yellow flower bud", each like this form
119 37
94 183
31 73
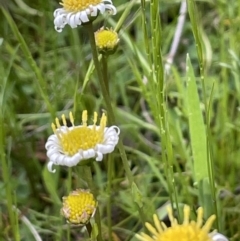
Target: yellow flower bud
79 206
106 41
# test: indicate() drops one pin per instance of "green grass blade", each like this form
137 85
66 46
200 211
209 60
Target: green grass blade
196 126
42 85
5 87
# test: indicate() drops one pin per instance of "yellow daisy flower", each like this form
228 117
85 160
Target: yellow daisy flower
70 145
78 12
187 231
79 206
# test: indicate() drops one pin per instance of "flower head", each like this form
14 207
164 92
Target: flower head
79 206
188 230
106 40
78 12
70 145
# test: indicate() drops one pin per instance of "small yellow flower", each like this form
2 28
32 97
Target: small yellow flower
188 230
79 206
78 12
106 40
70 145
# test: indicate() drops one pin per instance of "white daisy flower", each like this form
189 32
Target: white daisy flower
77 12
70 145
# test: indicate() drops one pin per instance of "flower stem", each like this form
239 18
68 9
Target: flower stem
109 157
105 72
109 192
107 99
89 28
89 229
92 187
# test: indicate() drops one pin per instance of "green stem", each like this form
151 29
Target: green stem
106 96
92 187
5 164
109 192
107 99
109 157
105 72
89 229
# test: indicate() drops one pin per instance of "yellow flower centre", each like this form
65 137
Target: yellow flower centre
79 206
188 231
106 39
78 5
81 137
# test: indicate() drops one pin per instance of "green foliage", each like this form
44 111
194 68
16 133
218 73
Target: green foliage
180 129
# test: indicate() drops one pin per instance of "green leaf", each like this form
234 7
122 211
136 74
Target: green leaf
94 232
196 126
50 182
137 196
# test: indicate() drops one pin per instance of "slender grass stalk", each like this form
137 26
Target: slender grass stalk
7 181
192 10
156 85
41 83
5 164
124 15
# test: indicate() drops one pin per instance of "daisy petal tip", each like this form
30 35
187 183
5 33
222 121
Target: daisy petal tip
117 129
50 167
99 156
219 237
58 29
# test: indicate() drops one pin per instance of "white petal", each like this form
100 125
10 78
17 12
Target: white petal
113 128
72 161
56 158
219 237
51 139
99 156
49 166
61 159
58 29
73 21
105 148
101 8
112 10
84 16
86 154
52 151
58 11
